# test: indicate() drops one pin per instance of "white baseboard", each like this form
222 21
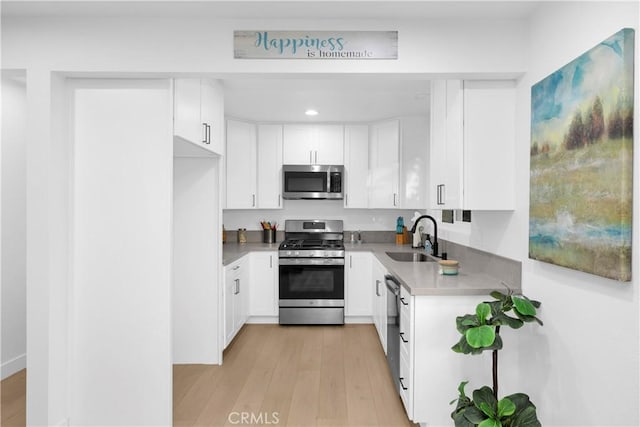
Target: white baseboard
14 365
358 319
263 319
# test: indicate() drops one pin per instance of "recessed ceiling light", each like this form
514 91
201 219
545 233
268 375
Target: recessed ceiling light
311 112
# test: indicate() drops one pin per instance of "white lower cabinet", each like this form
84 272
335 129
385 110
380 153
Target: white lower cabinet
358 284
406 349
430 370
236 291
380 302
263 286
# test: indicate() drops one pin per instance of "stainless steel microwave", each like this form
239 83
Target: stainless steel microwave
312 182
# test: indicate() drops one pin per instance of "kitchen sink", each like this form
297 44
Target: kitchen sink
409 257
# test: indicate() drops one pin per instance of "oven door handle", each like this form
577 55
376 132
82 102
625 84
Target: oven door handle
311 261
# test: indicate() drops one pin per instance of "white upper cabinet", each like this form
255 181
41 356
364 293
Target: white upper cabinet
306 144
241 165
269 166
384 161
253 166
198 117
356 165
489 139
472 138
446 144
414 168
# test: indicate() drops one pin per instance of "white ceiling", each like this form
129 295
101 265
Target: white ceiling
336 100
282 9
347 99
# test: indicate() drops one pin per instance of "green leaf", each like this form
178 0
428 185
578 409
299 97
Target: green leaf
489 422
485 401
474 415
521 400
461 387
462 346
505 407
465 322
523 306
499 296
526 418
481 336
503 319
483 310
460 419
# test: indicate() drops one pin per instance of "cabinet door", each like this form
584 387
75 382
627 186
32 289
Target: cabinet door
489 135
298 144
241 165
356 163
241 303
446 144
328 145
379 302
212 114
269 166
437 142
186 111
230 275
384 149
263 287
358 284
414 168
453 148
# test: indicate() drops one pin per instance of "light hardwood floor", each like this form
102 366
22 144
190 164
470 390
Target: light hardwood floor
276 375
13 392
292 376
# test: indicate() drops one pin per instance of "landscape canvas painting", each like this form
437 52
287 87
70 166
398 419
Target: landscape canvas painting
581 176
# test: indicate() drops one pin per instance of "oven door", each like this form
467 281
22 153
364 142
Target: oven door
311 279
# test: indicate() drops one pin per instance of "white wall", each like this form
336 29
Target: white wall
582 367
120 298
196 248
588 350
14 270
569 381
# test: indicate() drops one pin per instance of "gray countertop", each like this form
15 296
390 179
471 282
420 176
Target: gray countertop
419 278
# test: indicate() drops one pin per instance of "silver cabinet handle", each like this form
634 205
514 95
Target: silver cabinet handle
402 337
278 200
440 194
236 267
346 199
208 134
350 261
378 287
394 199
310 157
402 384
253 200
270 261
237 291
204 133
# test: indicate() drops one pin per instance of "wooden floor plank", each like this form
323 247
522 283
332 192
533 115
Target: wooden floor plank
13 391
279 375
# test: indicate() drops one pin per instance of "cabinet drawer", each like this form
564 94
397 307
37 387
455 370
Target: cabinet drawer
405 381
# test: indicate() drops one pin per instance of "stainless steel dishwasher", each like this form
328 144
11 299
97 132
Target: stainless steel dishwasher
393 328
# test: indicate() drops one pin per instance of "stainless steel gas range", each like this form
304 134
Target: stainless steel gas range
311 272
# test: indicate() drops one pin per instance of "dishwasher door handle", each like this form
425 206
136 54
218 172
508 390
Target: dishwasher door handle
392 284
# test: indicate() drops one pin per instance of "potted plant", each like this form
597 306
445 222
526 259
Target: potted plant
481 332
